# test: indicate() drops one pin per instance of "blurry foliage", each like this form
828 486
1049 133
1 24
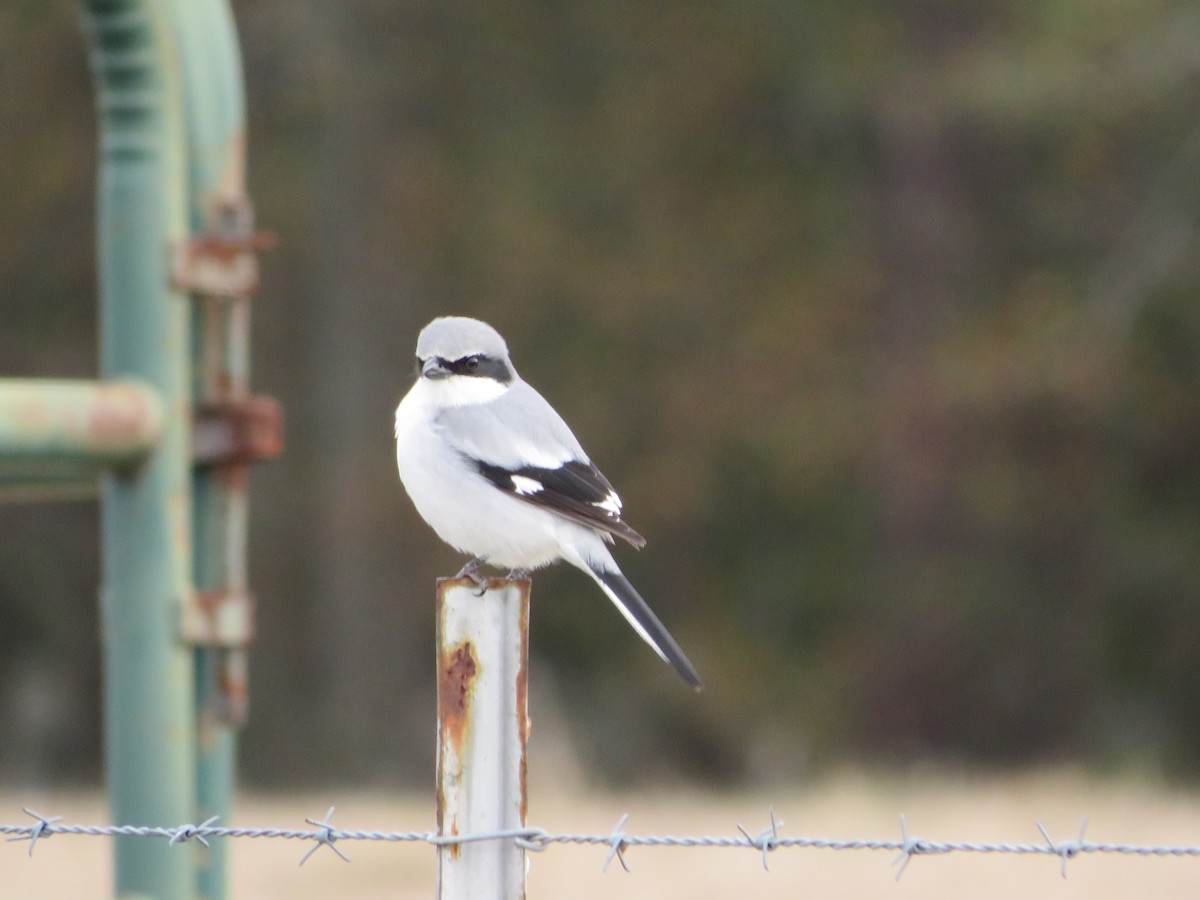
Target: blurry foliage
883 319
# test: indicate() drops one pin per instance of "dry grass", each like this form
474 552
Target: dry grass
1000 809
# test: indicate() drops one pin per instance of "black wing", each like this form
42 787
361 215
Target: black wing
576 490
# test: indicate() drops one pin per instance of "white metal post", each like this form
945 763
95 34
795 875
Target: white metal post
483 726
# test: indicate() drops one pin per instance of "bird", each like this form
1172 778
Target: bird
498 474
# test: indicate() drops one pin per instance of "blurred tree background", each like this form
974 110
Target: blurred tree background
882 317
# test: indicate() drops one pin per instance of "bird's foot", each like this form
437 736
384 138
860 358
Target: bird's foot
471 571
517 574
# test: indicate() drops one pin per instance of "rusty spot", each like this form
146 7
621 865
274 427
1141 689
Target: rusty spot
456 679
233 697
120 415
223 386
237 431
223 695
227 248
209 601
219 618
234 477
216 332
223 261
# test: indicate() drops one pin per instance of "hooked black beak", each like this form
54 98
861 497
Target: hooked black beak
433 369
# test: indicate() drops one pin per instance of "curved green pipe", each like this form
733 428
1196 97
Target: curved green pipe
214 118
146 541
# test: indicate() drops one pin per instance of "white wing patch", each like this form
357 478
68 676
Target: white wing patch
525 486
610 504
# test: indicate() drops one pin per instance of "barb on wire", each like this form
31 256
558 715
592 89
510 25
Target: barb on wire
324 835
187 832
913 846
616 843
766 840
1068 850
43 828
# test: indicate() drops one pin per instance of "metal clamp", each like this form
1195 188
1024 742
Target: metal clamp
223 618
228 432
223 261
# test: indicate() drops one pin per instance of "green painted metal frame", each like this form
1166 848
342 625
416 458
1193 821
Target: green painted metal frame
215 122
171 117
146 529
76 425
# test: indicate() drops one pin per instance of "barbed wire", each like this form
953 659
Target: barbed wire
765 841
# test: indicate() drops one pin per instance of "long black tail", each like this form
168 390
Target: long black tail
646 623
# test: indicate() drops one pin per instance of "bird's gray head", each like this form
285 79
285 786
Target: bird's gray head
466 357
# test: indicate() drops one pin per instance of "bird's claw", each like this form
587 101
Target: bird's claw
482 582
471 571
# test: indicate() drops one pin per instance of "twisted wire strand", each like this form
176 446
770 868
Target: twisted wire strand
766 841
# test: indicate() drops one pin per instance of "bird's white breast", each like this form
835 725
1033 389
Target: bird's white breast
465 509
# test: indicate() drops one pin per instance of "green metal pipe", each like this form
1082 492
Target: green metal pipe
89 423
145 513
214 111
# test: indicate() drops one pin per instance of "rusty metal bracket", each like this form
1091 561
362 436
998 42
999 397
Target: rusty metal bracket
226 432
223 618
223 261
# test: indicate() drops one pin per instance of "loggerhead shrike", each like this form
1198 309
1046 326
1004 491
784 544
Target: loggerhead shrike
497 473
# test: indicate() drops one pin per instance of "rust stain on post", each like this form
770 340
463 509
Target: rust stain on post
457 677
456 682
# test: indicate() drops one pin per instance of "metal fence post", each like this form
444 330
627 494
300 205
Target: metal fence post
145 512
483 726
